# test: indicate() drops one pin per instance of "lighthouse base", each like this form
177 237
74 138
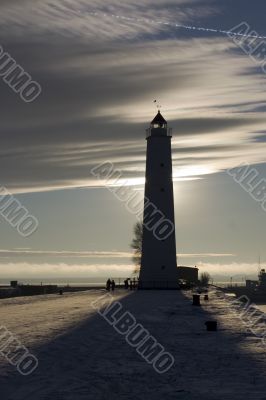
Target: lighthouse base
158 285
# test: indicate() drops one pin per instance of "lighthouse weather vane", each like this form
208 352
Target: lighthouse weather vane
158 106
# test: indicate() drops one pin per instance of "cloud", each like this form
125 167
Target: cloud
81 19
99 78
205 255
62 270
234 269
26 270
64 253
20 252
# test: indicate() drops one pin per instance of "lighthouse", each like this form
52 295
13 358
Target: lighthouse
158 262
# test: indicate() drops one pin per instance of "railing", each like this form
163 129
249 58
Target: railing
135 283
158 132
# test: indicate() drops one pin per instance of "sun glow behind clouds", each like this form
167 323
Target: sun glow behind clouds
186 173
191 171
138 183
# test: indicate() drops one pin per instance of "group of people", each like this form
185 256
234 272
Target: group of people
110 284
131 283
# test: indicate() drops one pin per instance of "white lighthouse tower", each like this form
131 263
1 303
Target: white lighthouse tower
158 262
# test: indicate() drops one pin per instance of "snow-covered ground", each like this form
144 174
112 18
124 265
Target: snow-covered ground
262 307
82 357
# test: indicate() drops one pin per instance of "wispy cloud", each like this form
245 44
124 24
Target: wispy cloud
109 109
78 18
230 269
56 270
63 253
25 270
98 87
205 255
92 254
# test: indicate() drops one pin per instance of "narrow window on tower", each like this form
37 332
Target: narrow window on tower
162 164
163 267
162 189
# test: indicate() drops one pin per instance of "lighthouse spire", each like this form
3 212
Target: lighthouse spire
159 121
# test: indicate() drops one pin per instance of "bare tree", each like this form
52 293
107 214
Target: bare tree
205 279
136 245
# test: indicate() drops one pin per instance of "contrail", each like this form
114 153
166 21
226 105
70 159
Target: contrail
175 25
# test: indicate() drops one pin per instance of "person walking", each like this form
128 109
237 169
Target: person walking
108 284
113 285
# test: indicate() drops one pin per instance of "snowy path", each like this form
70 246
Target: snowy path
82 357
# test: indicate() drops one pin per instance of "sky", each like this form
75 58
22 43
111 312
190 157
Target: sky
100 67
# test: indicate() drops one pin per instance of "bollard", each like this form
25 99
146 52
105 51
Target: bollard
206 297
211 326
61 292
196 300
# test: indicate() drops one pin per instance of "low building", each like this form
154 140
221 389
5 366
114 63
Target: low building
262 280
251 284
188 274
